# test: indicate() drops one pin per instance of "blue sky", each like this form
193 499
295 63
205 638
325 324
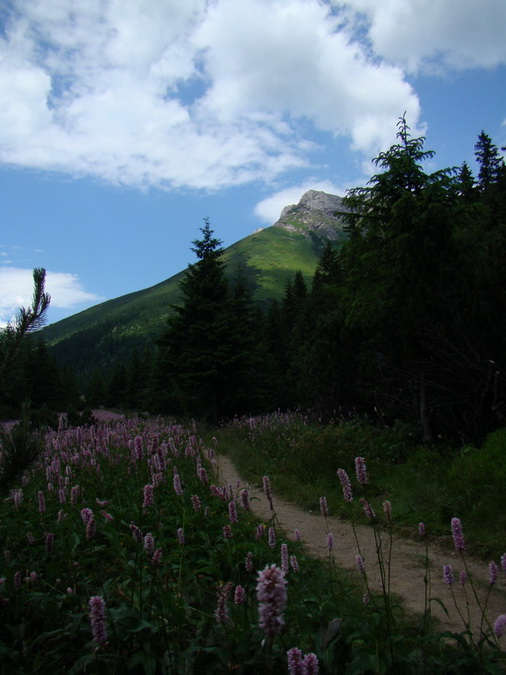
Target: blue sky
124 123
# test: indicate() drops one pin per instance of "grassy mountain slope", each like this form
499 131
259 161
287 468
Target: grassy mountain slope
110 331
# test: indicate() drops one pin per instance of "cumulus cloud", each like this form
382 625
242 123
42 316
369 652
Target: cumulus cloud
269 209
207 95
421 34
194 94
16 290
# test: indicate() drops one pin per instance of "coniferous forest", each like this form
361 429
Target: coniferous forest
404 320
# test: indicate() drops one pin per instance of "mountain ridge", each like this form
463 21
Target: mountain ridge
266 259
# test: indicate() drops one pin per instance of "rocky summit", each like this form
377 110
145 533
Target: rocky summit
317 212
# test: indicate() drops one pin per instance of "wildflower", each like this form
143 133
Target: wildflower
157 556
227 532
387 510
232 512
196 503
368 509
295 662
41 501
149 544
503 563
136 532
323 506
17 580
180 536
86 515
361 471
360 565
458 536
345 484
284 558
91 528
49 542
148 496
202 475
493 570
248 562
421 529
138 448
271 594
97 619
294 564
239 595
330 541
448 576
500 625
177 485
260 531
272 537
463 577
74 494
245 500
296 535
221 612
267 490
62 495
107 515
311 664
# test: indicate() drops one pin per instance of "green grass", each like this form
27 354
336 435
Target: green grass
425 484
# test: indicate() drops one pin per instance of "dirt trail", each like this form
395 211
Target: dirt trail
407 569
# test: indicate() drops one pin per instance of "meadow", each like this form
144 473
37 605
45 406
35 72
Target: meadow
123 552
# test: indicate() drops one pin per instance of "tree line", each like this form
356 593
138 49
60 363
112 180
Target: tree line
405 320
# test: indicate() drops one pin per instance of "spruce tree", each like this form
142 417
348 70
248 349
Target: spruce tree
194 348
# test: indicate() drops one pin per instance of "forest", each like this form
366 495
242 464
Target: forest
404 320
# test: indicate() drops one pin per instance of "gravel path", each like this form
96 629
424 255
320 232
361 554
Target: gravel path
407 568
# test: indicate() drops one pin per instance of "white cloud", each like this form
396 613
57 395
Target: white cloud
269 209
196 94
16 290
435 33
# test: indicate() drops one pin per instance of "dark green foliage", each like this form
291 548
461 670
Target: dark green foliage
209 362
19 447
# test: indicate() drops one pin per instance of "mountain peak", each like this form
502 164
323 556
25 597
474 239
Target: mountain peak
316 212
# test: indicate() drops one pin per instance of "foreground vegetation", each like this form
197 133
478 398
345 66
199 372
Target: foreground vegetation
428 483
123 552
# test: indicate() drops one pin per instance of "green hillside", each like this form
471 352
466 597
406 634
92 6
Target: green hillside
110 331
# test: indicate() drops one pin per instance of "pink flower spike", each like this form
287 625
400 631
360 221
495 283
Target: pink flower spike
330 541
284 558
311 664
180 536
272 537
248 562
239 595
97 619
421 529
148 496
500 625
345 484
177 485
458 536
232 513
323 506
448 576
361 471
267 490
493 571
295 662
272 599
